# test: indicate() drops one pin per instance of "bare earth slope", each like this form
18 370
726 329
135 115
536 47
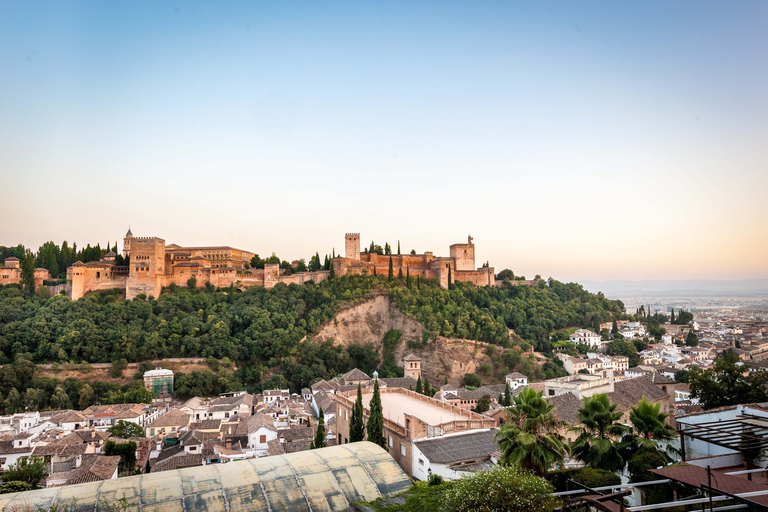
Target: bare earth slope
369 321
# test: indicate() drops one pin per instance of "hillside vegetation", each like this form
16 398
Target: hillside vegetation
269 332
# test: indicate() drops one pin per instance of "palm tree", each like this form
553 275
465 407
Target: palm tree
599 429
529 438
650 429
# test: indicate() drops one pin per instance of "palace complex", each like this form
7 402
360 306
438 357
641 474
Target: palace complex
152 265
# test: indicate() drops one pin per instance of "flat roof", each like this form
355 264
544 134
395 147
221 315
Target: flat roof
395 405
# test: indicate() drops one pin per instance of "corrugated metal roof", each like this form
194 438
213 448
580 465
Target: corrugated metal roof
319 480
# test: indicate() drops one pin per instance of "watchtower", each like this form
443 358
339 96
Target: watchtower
463 255
127 243
352 246
146 272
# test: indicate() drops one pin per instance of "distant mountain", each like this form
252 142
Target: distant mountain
680 288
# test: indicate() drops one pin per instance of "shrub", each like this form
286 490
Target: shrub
435 480
595 477
501 489
14 486
473 380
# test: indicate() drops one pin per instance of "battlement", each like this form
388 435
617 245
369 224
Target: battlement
353 235
146 239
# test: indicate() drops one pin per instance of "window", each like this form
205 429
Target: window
346 415
402 449
262 439
391 442
421 462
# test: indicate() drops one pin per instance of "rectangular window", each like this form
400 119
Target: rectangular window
346 415
391 442
421 462
402 449
262 439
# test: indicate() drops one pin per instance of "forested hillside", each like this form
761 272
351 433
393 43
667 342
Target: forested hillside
268 333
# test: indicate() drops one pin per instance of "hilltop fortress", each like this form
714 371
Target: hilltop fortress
460 265
154 265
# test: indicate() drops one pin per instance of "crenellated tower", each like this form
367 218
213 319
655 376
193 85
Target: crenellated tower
352 246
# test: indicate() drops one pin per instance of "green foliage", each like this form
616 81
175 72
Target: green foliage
28 273
375 427
499 490
623 348
599 430
357 422
14 486
691 339
472 380
118 366
27 469
725 383
125 429
320 440
127 453
483 404
591 477
529 439
434 479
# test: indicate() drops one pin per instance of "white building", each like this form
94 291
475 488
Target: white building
453 456
586 337
516 380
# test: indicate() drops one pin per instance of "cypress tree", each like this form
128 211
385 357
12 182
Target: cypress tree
376 419
449 278
332 275
501 399
419 387
672 318
400 273
507 396
418 283
615 328
356 425
320 441
389 276
408 277
398 247
427 387
28 272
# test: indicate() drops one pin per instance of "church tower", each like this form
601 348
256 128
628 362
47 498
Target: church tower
127 243
412 365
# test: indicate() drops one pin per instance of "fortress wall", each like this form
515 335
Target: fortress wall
480 277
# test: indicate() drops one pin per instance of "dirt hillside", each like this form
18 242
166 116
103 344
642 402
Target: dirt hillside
368 323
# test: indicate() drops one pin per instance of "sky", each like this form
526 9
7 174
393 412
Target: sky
578 140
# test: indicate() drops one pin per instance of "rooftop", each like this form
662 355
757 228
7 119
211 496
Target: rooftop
397 404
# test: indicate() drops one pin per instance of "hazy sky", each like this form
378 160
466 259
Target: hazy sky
578 140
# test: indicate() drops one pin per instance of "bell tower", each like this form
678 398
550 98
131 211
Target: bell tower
127 243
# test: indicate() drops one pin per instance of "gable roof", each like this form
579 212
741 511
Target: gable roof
172 418
446 450
411 357
566 406
628 393
355 375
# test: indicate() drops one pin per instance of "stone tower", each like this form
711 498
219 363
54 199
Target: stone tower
146 272
127 243
463 255
352 246
412 366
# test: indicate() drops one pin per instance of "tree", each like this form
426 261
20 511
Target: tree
127 453
320 440
502 489
13 402
375 426
599 429
390 273
672 317
649 430
118 366
472 380
623 348
86 396
691 339
507 396
356 424
529 437
450 279
60 399
725 383
408 277
192 281
398 247
125 430
419 387
614 328
28 469
28 273
483 404
427 388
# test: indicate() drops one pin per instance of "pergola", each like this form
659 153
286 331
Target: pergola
746 434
